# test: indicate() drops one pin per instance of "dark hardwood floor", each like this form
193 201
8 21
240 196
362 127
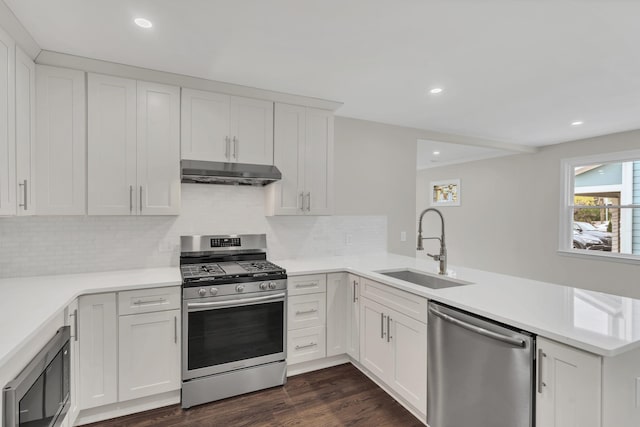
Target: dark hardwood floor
338 396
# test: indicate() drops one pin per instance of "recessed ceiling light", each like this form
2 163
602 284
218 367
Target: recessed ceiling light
577 123
435 90
436 153
144 23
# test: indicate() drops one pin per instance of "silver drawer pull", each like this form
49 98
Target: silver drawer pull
300 347
154 301
308 285
313 310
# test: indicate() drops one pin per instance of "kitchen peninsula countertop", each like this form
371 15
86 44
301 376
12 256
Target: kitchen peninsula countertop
580 318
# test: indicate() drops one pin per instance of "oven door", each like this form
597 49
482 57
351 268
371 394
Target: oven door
222 334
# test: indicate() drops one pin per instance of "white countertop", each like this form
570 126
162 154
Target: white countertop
27 303
600 323
604 324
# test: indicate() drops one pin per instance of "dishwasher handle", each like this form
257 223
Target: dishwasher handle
478 330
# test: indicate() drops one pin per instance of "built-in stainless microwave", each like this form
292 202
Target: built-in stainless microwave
40 394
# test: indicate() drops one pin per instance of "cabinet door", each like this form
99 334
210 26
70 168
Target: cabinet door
251 131
353 317
408 339
97 334
158 149
318 169
338 306
149 361
375 351
72 321
205 126
7 126
111 145
568 387
288 155
25 132
60 141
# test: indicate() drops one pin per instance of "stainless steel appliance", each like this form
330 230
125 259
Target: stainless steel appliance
479 372
205 172
234 317
39 395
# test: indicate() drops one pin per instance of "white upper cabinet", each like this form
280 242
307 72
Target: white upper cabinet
133 148
223 128
25 132
158 149
303 151
111 146
60 141
7 126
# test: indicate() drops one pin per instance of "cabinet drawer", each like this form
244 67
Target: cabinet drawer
301 285
149 300
305 311
404 302
306 344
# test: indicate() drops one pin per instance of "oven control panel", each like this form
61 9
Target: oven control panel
226 242
234 289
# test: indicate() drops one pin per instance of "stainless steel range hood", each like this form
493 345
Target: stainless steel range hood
203 172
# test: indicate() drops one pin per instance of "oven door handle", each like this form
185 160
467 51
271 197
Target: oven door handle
234 302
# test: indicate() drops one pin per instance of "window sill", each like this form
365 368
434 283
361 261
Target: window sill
600 256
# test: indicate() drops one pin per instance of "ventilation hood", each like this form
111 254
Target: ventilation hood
203 172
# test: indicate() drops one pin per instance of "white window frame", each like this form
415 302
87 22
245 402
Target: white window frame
567 187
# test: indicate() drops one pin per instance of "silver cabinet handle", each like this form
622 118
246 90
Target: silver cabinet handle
382 316
75 324
141 199
300 347
227 143
355 298
306 285
302 201
153 301
388 328
478 330
313 310
309 202
541 355
175 329
24 194
235 148
131 199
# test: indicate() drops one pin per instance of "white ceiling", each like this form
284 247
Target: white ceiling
516 71
449 154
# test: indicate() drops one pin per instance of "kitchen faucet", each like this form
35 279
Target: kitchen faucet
442 256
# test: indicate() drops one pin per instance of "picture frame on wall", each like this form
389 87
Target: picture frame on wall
445 193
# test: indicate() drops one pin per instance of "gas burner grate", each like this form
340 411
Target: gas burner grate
258 266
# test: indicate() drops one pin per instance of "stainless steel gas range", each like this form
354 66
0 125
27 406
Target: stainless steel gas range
234 317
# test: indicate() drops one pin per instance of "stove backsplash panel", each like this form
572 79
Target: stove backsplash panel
32 246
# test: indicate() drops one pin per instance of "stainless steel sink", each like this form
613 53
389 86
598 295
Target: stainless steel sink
423 279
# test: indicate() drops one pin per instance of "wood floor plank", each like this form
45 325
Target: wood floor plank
332 397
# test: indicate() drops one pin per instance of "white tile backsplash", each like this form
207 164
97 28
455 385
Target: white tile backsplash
31 246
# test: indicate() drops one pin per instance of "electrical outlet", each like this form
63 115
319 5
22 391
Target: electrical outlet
403 236
348 239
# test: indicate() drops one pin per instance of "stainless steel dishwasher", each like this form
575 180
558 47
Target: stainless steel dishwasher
479 373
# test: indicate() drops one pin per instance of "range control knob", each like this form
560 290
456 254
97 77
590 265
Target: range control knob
272 285
240 288
213 291
202 292
264 286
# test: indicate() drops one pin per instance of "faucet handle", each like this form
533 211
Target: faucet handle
435 257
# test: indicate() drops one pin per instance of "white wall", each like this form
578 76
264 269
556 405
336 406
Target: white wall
56 245
508 218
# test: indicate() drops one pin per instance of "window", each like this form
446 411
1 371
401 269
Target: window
600 212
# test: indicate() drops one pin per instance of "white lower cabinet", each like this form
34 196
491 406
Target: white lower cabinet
353 317
74 386
149 354
304 345
98 338
393 347
337 306
568 389
306 318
